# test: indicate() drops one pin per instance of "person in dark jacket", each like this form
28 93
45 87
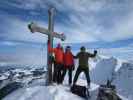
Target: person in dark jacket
58 63
68 64
83 58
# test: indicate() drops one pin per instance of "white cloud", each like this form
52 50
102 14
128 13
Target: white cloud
9 43
124 53
125 27
83 17
86 19
85 5
121 29
17 29
27 4
25 55
85 23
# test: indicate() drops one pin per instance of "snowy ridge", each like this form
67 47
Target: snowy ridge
124 80
119 71
101 69
55 92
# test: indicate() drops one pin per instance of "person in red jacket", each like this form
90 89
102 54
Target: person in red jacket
68 64
59 59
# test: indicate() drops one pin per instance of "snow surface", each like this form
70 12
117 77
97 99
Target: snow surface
101 69
3 77
124 80
55 92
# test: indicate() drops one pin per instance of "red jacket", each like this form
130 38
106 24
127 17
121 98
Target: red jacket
58 54
68 59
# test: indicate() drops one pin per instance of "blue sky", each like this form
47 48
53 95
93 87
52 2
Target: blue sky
93 23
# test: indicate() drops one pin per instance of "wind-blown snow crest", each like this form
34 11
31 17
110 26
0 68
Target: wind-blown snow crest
120 72
103 71
124 80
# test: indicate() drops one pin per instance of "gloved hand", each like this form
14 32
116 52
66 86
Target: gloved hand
73 67
48 41
95 51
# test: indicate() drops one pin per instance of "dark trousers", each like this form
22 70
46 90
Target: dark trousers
69 69
57 74
86 71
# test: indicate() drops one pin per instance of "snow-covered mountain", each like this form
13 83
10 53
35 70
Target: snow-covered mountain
119 71
124 80
101 69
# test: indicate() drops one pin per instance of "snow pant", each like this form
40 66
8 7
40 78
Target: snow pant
57 75
79 70
69 69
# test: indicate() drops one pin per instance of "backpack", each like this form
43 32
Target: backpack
81 91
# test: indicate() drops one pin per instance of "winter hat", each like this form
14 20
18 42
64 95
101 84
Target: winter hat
82 48
68 47
58 45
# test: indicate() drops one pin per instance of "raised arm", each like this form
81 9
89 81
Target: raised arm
50 49
92 55
76 57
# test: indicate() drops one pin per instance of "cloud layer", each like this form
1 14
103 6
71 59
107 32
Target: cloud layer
80 20
93 23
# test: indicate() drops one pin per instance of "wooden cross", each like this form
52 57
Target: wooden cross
51 34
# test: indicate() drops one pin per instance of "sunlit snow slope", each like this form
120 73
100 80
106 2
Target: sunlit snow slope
103 68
